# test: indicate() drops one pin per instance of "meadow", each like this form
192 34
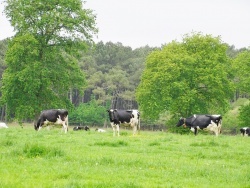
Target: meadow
47 159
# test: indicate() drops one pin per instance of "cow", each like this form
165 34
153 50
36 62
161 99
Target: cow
53 117
77 128
100 130
209 122
3 125
125 117
245 131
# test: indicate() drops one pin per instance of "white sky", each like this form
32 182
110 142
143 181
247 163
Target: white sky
137 23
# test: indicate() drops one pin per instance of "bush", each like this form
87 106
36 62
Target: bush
244 117
88 114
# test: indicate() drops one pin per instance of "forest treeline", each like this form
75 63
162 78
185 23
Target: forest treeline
53 62
113 73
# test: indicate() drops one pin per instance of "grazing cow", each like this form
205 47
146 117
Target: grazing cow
125 117
86 128
209 122
53 116
245 131
100 130
3 125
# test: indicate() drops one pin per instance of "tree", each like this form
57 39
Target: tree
3 49
185 78
113 72
41 59
241 68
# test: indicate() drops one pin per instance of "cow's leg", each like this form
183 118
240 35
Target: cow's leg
192 129
134 129
114 128
216 131
67 123
195 131
214 127
118 129
65 127
220 125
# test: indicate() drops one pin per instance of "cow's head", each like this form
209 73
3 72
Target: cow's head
135 114
181 122
36 126
111 114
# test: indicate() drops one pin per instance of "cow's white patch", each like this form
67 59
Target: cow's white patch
216 115
214 128
135 121
192 129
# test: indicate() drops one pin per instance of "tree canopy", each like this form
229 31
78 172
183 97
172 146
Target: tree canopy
42 66
186 77
241 68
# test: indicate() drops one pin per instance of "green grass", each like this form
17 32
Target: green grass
91 159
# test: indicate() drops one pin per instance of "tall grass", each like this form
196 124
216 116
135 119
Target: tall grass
91 159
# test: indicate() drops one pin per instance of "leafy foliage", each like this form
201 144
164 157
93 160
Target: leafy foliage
41 58
113 72
89 113
244 117
186 78
241 67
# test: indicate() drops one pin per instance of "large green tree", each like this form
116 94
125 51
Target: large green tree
42 66
186 77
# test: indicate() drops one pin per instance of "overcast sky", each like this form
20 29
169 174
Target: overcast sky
138 23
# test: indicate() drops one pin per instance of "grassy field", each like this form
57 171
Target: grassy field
151 159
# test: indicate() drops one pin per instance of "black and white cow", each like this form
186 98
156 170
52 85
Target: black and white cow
53 117
77 128
209 122
125 117
245 131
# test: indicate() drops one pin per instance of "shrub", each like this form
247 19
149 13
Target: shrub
244 117
88 114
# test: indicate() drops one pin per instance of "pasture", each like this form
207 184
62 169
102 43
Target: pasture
92 159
